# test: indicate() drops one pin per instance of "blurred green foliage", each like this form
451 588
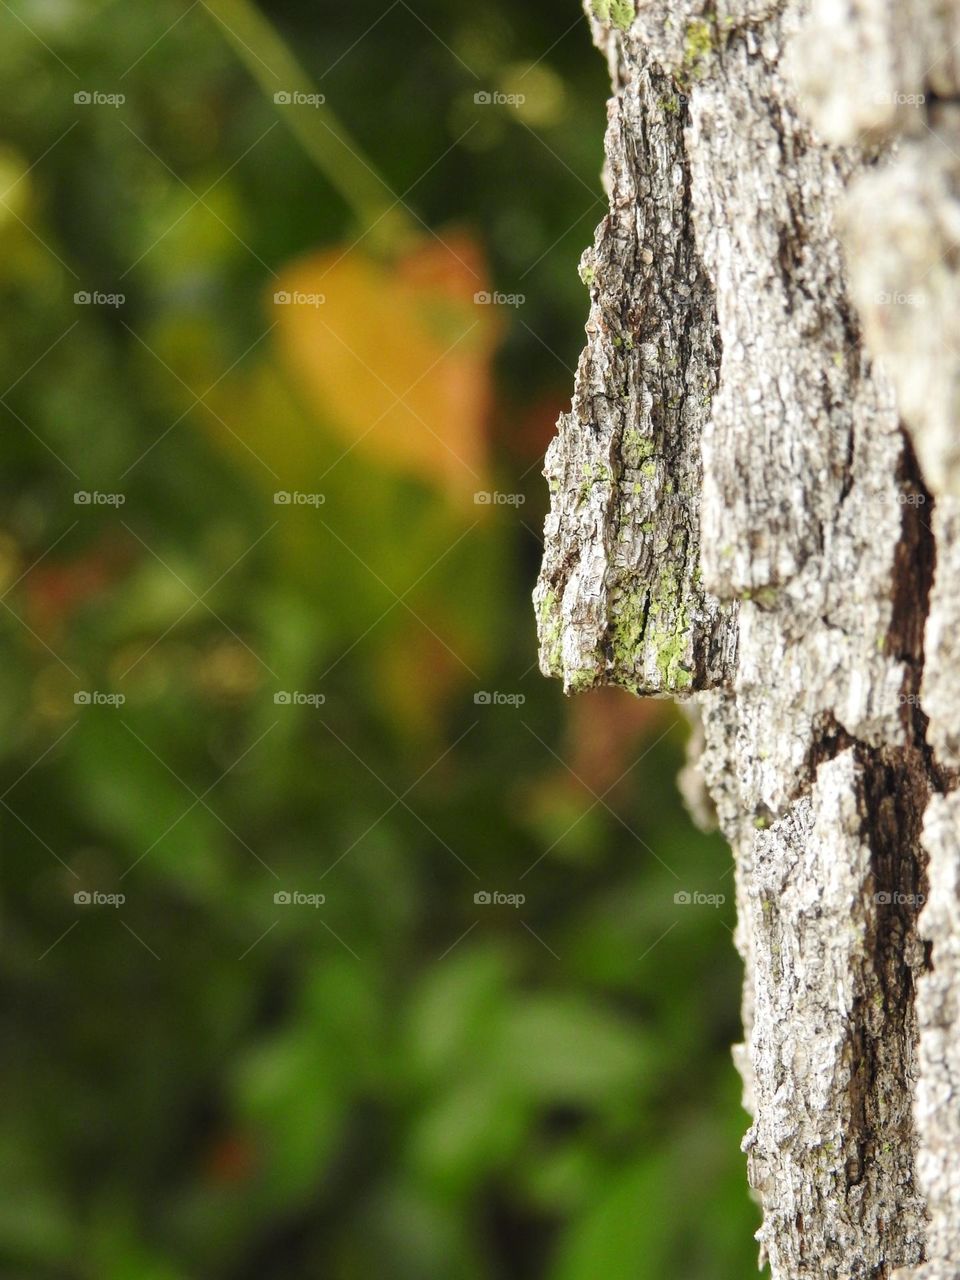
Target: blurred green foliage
204 1082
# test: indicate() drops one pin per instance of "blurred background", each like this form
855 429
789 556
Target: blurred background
335 941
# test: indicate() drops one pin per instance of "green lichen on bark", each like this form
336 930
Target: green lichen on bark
653 619
550 633
697 47
614 13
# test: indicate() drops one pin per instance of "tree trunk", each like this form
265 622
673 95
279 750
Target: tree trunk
755 507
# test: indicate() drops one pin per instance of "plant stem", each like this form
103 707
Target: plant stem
325 139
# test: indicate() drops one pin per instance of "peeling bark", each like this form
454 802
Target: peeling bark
755 507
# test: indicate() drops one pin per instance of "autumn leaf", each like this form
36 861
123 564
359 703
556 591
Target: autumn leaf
396 356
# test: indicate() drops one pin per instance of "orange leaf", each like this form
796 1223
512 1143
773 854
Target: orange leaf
397 356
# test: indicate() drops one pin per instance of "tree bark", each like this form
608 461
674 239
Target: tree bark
755 507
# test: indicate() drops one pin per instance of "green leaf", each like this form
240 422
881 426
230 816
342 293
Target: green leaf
564 1049
626 1233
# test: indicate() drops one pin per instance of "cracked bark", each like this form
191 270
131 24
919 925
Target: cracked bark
755 507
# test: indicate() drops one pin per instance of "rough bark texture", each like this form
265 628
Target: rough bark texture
755 506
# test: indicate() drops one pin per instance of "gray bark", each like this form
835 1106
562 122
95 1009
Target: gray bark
755 507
